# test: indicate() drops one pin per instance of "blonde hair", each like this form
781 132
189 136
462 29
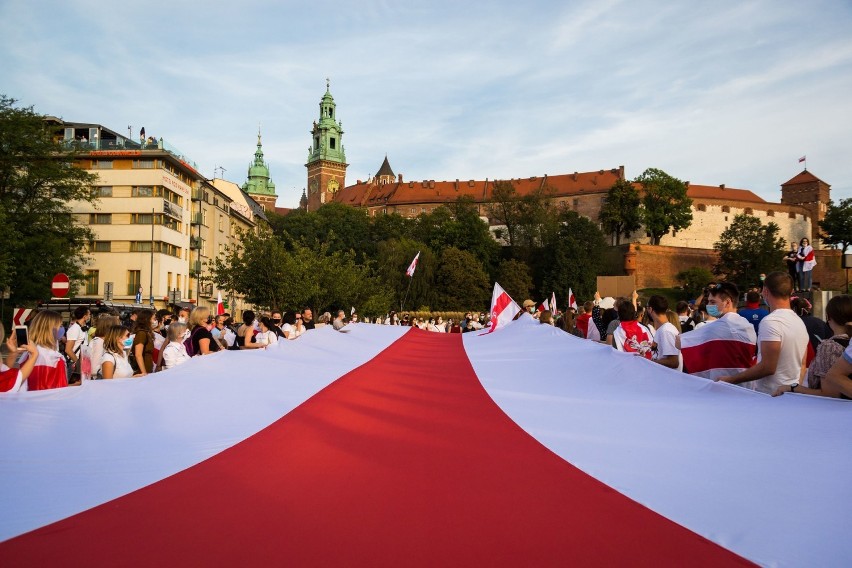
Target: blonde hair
199 316
113 340
43 328
176 330
674 319
103 323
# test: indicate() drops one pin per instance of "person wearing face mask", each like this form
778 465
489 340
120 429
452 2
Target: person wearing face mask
806 264
200 336
77 340
722 347
114 363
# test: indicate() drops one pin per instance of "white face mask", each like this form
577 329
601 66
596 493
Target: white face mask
182 319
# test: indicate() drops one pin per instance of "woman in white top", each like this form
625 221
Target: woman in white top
269 333
292 326
96 346
114 363
175 352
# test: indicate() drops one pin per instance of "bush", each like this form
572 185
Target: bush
694 280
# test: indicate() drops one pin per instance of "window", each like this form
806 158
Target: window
92 282
331 143
100 218
142 218
179 281
144 164
221 249
168 281
791 215
100 246
702 207
140 246
770 213
222 223
145 191
726 209
103 191
134 281
748 211
101 164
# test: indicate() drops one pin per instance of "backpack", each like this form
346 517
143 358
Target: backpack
187 343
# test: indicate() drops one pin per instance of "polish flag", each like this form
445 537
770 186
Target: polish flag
503 308
413 265
553 302
220 306
572 300
720 348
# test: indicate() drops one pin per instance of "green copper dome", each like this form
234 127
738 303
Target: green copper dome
327 132
259 182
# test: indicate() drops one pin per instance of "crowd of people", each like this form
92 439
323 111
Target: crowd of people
773 344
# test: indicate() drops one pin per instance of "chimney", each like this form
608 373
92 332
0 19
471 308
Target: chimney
400 178
575 176
721 186
359 182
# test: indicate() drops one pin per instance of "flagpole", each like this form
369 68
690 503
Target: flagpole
402 305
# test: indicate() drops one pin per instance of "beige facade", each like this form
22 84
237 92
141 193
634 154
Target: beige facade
157 223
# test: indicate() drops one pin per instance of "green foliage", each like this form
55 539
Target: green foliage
665 204
504 209
394 257
621 214
37 182
694 280
836 227
462 284
748 248
270 275
571 256
515 278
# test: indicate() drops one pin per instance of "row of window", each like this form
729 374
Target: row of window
139 246
138 219
148 164
134 282
747 211
143 191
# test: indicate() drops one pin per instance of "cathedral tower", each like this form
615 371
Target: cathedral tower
326 158
258 184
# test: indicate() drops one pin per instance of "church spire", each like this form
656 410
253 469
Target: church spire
326 156
259 184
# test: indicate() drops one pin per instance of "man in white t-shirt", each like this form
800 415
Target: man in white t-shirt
77 337
782 338
667 352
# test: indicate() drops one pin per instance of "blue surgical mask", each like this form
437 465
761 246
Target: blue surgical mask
713 310
128 343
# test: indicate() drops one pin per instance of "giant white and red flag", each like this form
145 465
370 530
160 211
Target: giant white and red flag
413 266
503 308
720 348
524 447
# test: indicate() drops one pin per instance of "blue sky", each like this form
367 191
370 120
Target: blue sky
711 92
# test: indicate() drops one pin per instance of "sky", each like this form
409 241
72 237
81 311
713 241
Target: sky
713 93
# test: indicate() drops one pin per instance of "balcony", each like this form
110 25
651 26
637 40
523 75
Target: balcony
198 219
195 243
108 143
195 269
198 194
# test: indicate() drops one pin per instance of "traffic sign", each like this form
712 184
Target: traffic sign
60 285
20 315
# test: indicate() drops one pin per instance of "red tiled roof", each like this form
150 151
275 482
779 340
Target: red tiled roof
717 192
804 177
428 191
282 210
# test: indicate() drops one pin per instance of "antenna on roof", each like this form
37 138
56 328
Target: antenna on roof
221 171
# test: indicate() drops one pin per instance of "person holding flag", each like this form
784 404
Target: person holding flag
503 308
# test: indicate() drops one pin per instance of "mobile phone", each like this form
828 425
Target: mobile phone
22 335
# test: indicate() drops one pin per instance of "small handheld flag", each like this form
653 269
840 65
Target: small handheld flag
503 308
412 266
220 307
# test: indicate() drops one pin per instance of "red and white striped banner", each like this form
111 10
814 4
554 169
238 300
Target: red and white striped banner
393 446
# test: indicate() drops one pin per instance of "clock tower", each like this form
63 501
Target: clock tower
326 158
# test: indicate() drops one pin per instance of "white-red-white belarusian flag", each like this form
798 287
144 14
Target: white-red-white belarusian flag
720 348
572 300
413 265
553 302
220 306
503 308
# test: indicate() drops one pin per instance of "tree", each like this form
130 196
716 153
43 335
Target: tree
38 180
270 276
395 255
748 248
461 281
571 257
621 214
694 280
504 208
665 204
515 278
837 225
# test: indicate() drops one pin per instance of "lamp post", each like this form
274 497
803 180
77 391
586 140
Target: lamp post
151 281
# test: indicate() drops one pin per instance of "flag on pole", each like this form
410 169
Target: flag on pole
503 308
220 307
803 159
572 300
413 265
352 311
545 305
553 302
